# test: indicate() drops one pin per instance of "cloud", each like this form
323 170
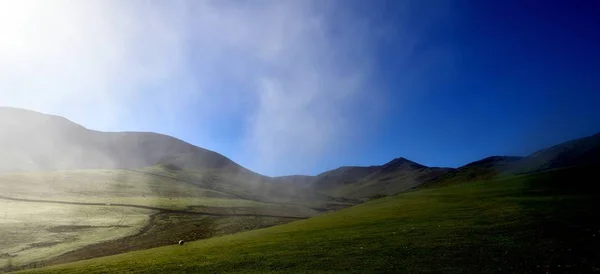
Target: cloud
87 60
292 71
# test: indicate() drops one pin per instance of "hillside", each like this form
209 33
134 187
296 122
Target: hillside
579 152
483 169
33 141
538 223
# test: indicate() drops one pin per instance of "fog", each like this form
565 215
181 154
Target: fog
286 75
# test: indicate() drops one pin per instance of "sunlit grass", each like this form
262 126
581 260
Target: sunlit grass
36 231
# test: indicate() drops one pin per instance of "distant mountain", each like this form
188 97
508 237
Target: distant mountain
363 182
303 181
32 141
479 170
579 152
391 178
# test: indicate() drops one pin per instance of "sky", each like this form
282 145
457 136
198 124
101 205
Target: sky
300 87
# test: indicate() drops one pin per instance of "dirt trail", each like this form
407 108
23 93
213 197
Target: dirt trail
165 210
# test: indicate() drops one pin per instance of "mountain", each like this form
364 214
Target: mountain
579 152
483 169
354 182
391 178
33 141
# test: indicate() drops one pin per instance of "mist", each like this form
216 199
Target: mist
283 74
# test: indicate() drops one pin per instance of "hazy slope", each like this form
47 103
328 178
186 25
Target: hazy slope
34 141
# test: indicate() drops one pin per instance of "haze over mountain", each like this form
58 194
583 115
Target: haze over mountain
33 141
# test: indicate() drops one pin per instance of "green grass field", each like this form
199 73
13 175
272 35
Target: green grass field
166 229
535 223
33 231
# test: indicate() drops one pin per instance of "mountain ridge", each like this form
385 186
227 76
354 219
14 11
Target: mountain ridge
35 141
32 136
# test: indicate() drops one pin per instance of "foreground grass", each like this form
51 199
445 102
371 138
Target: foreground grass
166 229
32 231
523 224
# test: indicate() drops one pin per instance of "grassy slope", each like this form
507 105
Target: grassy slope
33 231
166 229
520 224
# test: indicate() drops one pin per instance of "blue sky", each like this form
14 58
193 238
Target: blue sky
300 87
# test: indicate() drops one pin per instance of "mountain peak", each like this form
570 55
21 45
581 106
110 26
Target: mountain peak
402 162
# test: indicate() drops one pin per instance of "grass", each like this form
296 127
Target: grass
168 229
100 184
155 187
534 223
31 232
